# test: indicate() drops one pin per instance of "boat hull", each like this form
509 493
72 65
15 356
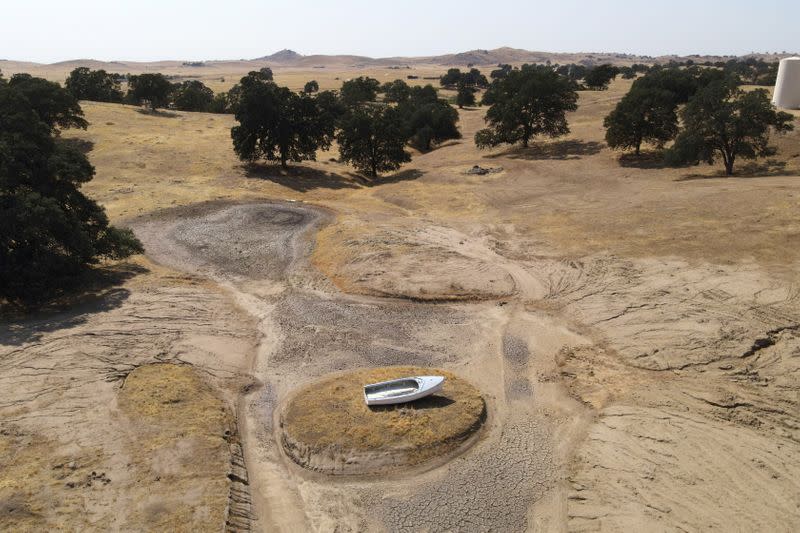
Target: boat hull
402 390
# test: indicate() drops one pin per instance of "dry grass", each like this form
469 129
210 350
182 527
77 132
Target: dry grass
41 490
333 413
573 198
179 425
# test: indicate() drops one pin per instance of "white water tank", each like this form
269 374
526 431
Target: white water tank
787 86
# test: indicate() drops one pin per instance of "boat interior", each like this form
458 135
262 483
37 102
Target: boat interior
392 388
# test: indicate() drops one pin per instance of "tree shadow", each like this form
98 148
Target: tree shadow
96 292
752 169
397 177
428 402
302 179
84 146
645 160
157 113
558 150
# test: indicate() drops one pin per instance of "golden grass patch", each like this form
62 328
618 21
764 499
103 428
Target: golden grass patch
330 419
178 438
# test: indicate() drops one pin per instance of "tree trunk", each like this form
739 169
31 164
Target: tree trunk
729 168
728 159
638 148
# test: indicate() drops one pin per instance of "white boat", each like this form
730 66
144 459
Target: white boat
402 390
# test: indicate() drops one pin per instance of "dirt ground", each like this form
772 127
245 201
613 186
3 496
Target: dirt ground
634 330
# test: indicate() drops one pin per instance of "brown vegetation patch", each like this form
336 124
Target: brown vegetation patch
41 490
328 427
180 426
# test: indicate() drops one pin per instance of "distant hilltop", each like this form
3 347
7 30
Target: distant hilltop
489 57
284 56
291 59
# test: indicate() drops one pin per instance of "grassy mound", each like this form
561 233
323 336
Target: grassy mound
328 427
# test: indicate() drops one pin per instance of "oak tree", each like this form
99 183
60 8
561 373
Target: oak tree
278 124
644 115
372 138
528 102
152 89
724 122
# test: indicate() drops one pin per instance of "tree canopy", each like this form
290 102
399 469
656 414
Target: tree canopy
681 82
264 73
428 119
153 89
396 91
278 124
501 71
724 122
53 105
455 77
599 77
465 96
372 138
192 95
528 102
311 87
52 232
645 114
94 85
359 90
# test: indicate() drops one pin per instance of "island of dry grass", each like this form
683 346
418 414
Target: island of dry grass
328 427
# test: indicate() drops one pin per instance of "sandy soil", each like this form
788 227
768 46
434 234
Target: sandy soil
634 330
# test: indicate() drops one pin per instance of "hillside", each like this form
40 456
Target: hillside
292 59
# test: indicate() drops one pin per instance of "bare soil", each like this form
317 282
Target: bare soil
633 329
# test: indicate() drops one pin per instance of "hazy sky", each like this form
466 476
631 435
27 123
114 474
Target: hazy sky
55 30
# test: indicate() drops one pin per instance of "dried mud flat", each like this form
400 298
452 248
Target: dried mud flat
622 394
309 329
612 386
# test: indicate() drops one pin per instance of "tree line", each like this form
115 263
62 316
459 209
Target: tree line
53 232
277 124
152 89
